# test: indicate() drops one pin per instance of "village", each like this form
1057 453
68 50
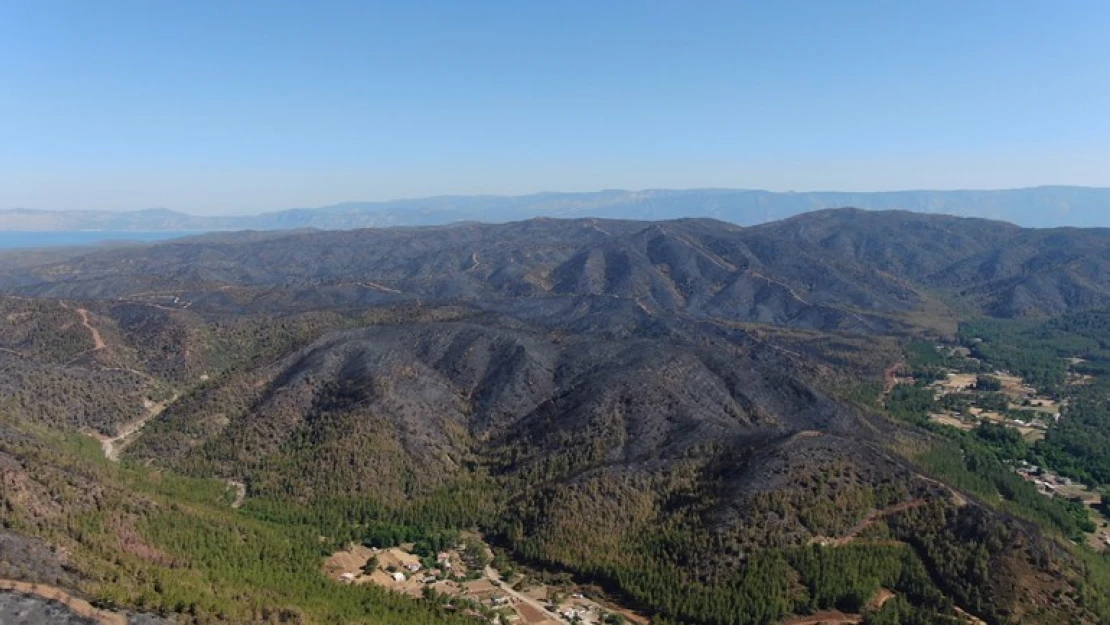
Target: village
461 578
1024 408
966 404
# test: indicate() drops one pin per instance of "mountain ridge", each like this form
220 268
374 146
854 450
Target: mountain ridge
845 269
1044 206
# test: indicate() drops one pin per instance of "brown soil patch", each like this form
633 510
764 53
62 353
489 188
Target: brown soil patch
350 561
890 378
947 419
1012 384
880 598
826 618
480 588
531 614
956 382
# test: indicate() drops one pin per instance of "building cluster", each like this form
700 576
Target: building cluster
1047 482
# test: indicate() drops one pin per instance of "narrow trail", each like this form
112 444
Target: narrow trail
129 370
13 352
867 522
474 263
98 341
78 606
377 287
957 498
113 445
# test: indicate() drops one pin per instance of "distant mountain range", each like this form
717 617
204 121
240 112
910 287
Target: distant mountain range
1036 207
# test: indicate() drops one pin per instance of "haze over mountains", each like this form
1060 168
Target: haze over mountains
1036 207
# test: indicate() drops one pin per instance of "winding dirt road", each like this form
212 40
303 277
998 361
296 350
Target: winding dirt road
867 522
98 341
113 445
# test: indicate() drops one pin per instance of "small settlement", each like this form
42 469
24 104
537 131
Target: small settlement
1012 403
965 407
462 580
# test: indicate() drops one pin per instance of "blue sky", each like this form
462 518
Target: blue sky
213 107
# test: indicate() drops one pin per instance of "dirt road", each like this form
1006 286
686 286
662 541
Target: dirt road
80 607
113 445
867 522
494 576
98 341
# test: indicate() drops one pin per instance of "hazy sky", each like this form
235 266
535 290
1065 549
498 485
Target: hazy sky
213 106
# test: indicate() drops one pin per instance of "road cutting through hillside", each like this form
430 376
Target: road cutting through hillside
112 446
867 522
78 606
98 341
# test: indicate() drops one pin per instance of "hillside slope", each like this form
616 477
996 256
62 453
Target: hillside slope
683 413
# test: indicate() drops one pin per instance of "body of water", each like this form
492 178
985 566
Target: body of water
28 240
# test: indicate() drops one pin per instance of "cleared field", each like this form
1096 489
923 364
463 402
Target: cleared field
533 615
950 420
956 382
1031 435
347 562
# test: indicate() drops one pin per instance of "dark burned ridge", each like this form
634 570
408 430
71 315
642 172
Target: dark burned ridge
532 387
840 269
16 607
